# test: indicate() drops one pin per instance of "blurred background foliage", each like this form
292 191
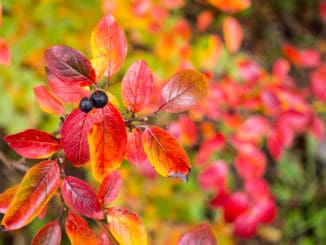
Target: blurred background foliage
165 38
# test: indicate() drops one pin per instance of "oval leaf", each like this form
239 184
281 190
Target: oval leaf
78 231
183 90
110 187
137 86
109 47
47 101
35 190
126 227
135 150
70 65
200 235
33 143
232 32
50 234
165 153
81 197
74 137
6 198
107 140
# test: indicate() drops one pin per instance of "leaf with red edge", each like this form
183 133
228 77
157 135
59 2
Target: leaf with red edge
33 143
5 56
183 90
107 140
49 234
6 198
165 153
137 86
109 47
70 65
37 187
199 235
232 32
126 227
47 101
78 231
81 197
74 137
135 150
109 188
231 6
68 93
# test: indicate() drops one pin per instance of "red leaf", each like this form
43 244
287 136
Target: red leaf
137 86
108 141
68 93
257 189
245 225
81 197
185 130
235 205
74 137
33 143
322 10
109 188
5 57
233 35
135 150
253 128
47 101
214 176
70 65
292 54
6 198
209 146
309 58
183 90
264 210
49 234
204 19
38 186
318 82
199 235
275 144
281 68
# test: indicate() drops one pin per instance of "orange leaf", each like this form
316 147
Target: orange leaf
165 153
6 198
126 227
35 190
78 231
107 141
200 235
47 101
109 47
231 6
50 234
183 90
233 34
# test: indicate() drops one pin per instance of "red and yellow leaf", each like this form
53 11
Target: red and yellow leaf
135 150
5 56
109 188
74 137
6 198
107 140
49 234
126 227
47 101
109 47
232 32
81 197
183 90
78 231
33 143
165 153
199 235
137 86
231 6
70 66
35 190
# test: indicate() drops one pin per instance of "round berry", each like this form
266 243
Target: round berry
100 99
86 104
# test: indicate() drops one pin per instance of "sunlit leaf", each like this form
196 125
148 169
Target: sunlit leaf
107 140
81 197
78 231
35 190
74 137
70 65
165 153
47 101
103 239
231 6
183 90
126 227
109 47
33 143
135 150
6 198
49 234
5 56
137 86
109 188
199 235
232 32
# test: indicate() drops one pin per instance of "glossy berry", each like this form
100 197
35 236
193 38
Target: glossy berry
86 104
99 98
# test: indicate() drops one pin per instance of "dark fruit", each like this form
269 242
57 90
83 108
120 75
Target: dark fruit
100 99
86 104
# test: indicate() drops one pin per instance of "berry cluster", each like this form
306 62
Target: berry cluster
98 99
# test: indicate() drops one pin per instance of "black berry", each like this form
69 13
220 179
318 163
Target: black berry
86 104
100 99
